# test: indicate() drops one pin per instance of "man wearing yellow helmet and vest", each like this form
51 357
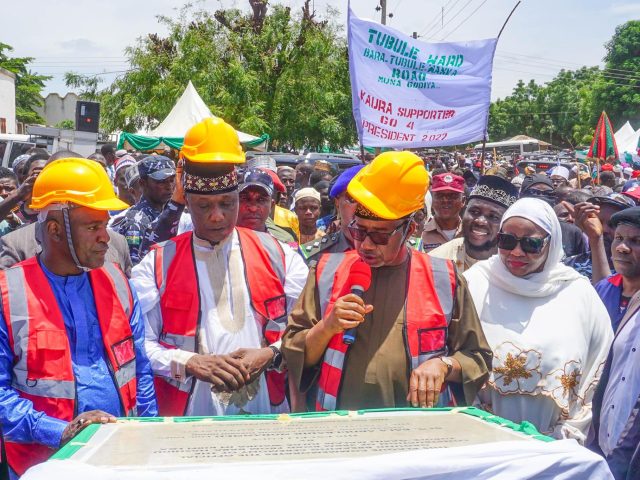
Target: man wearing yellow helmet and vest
71 332
417 328
216 299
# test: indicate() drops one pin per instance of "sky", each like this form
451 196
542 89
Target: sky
542 37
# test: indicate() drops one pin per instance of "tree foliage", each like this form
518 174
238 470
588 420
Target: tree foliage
270 71
565 110
28 85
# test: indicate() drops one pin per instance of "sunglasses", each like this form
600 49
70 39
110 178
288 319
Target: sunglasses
379 238
506 241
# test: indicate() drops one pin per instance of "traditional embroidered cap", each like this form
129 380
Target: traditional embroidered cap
209 178
121 153
495 189
131 175
307 192
633 192
125 161
535 179
261 161
342 181
447 182
156 167
607 167
322 165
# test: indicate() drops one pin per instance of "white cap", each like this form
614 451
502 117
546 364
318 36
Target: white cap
560 171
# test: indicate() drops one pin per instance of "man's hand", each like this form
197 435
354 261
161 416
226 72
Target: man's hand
426 382
82 420
178 191
24 190
348 312
586 218
225 373
255 360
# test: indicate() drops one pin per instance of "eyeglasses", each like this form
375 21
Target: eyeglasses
506 241
379 238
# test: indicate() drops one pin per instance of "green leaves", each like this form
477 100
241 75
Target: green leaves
275 71
28 85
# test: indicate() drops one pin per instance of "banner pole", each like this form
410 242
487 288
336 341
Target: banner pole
484 147
507 20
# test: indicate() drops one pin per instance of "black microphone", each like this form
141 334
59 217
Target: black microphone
360 281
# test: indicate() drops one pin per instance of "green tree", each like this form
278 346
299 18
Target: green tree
29 85
618 91
270 71
66 124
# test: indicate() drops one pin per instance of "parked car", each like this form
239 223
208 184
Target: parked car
339 161
12 146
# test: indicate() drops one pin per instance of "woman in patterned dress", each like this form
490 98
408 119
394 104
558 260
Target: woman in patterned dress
548 330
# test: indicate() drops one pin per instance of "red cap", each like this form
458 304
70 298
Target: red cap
633 192
607 167
447 182
276 180
635 174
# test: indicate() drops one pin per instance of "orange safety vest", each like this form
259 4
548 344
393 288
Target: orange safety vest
177 281
428 308
43 370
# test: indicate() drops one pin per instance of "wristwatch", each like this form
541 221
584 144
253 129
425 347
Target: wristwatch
277 358
449 363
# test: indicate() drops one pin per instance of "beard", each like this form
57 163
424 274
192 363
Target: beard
482 249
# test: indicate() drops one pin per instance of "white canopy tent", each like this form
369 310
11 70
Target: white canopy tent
188 110
627 139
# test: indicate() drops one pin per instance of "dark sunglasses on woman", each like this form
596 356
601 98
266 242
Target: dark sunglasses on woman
506 241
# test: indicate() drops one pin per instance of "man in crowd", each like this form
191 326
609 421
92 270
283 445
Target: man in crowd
326 205
417 328
8 184
121 167
216 299
306 205
256 194
109 153
617 290
480 223
71 334
448 199
287 176
615 429
340 241
559 176
157 178
593 217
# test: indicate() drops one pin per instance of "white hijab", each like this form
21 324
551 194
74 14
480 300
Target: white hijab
553 277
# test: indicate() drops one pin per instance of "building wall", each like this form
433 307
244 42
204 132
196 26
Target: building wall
57 108
7 101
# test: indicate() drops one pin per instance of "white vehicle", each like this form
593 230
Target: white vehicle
13 145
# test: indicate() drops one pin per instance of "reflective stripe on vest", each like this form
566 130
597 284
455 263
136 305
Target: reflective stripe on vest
177 282
37 329
428 310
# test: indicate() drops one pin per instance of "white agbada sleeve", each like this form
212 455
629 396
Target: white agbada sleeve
579 421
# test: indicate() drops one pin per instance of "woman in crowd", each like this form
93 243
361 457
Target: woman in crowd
548 330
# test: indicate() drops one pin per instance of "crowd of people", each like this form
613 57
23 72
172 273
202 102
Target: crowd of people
211 282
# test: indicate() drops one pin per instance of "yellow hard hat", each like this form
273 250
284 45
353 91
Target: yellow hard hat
212 140
392 186
75 180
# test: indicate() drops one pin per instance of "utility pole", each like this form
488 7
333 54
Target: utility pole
383 12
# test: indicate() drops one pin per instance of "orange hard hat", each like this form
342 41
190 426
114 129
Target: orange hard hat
392 186
212 140
75 180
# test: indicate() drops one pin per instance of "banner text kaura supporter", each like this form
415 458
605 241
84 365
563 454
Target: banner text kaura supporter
408 93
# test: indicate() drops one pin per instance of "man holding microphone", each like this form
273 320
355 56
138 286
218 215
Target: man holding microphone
417 328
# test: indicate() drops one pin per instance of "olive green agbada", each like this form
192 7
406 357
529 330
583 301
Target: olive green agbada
376 369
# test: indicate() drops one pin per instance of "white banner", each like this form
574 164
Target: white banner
408 93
